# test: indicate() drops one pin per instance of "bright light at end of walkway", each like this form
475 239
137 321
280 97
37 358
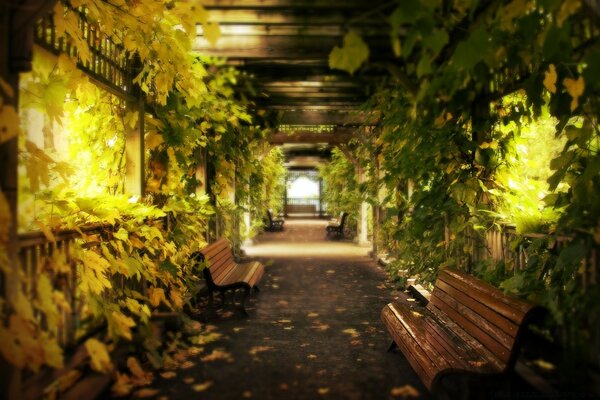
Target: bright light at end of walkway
302 188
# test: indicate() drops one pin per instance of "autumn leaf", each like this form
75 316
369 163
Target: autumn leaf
568 8
352 332
212 32
121 324
259 349
550 79
217 355
351 55
405 391
140 377
122 386
156 296
575 88
146 392
201 387
99 357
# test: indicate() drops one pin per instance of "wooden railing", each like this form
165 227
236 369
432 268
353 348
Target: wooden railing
35 253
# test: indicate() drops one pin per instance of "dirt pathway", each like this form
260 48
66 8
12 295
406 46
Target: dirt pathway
313 331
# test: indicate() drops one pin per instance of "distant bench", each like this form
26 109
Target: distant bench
468 326
223 273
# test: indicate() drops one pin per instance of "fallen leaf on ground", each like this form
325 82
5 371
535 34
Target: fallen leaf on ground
284 321
142 393
340 309
321 327
139 376
168 374
188 380
323 391
217 355
259 349
311 356
312 315
247 394
544 364
187 365
330 271
283 302
288 328
201 387
236 330
352 332
355 342
284 386
405 391
122 386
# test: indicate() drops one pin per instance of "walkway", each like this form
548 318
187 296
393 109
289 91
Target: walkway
313 331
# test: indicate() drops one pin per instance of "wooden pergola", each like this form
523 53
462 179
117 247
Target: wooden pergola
285 46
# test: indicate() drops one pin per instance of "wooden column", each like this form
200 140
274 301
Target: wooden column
363 223
17 19
135 181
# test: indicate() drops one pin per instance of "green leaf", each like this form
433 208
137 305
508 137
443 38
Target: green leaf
473 50
351 56
436 41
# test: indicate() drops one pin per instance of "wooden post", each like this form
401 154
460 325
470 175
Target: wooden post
134 152
363 234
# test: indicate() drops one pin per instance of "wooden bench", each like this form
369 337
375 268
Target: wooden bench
468 327
337 227
274 224
223 274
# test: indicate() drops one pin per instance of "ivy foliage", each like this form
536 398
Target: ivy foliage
473 84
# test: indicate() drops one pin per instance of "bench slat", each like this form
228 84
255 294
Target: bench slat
480 321
477 306
515 309
215 248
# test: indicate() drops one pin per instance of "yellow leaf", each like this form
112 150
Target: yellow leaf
121 324
46 231
122 386
404 391
201 387
176 298
352 332
323 391
212 32
568 8
156 296
550 79
99 357
140 377
259 349
153 140
53 353
575 88
24 308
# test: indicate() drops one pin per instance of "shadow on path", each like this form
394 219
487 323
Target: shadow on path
313 331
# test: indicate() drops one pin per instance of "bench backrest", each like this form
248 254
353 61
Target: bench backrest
218 258
270 216
343 217
483 311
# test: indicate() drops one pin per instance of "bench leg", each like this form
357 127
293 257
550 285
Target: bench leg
392 346
256 288
243 302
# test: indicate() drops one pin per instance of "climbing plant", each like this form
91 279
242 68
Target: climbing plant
450 138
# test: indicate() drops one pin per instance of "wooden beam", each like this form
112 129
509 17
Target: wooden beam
284 47
335 117
340 135
259 28
285 16
300 4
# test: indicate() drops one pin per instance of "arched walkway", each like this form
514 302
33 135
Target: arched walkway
313 330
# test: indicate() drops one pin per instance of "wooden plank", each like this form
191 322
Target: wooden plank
409 347
480 307
283 16
214 248
312 117
511 308
478 320
285 47
343 136
490 343
301 4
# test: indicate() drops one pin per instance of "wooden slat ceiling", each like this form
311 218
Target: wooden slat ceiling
285 45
